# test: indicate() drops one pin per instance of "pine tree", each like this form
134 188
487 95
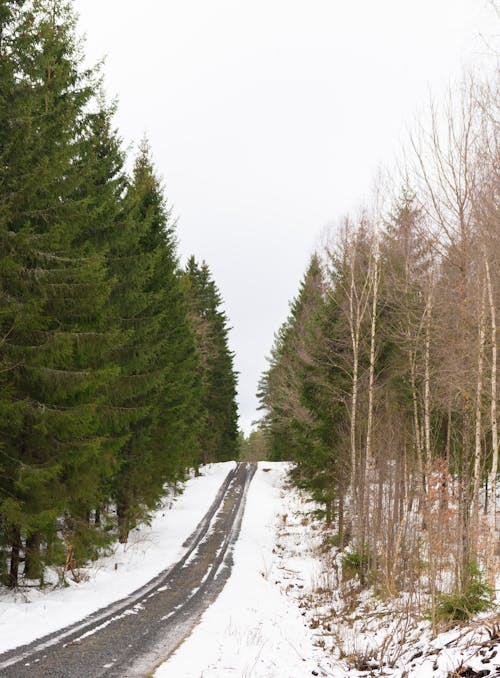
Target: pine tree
10 300
219 437
159 380
60 340
297 392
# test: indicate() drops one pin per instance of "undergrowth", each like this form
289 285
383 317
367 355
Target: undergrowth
476 597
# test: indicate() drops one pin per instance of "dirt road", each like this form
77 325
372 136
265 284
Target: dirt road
130 638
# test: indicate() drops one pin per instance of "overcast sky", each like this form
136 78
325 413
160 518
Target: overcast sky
268 120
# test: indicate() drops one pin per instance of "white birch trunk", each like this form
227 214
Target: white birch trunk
373 329
416 420
358 301
494 429
355 360
478 427
427 382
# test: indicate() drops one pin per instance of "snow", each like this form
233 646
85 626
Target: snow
282 612
252 628
28 614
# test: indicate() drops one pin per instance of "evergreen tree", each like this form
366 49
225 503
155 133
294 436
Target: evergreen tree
10 302
107 391
302 408
159 380
219 436
59 338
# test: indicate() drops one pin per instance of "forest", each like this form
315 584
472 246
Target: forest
382 381
116 377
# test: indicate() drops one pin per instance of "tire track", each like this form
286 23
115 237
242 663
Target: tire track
131 637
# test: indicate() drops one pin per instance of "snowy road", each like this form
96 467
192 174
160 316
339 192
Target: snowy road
130 638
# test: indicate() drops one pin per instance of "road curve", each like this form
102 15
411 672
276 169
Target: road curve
129 639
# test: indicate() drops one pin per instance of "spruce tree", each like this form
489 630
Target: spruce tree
299 394
159 380
60 339
107 390
10 303
219 438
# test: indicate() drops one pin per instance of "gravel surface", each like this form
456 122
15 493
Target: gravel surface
132 637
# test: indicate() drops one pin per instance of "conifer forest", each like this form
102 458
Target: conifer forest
115 372
117 379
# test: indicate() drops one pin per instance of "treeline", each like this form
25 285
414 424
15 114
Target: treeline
382 382
115 371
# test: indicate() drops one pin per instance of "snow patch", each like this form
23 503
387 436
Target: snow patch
252 628
29 614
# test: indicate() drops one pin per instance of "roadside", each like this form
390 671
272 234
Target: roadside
358 633
131 637
252 629
28 614
282 613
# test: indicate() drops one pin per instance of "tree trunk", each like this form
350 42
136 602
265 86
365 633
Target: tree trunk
15 558
123 521
448 438
341 519
328 512
372 355
494 430
464 558
478 428
354 399
427 382
416 423
33 562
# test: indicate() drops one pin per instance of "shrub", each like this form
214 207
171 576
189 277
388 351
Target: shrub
476 597
332 540
355 563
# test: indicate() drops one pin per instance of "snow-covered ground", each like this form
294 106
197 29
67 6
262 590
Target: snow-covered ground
281 613
253 628
29 613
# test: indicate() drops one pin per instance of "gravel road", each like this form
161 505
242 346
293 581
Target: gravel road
132 637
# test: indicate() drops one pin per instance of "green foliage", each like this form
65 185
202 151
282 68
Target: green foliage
104 396
219 434
355 562
55 282
477 596
158 382
332 540
303 420
253 448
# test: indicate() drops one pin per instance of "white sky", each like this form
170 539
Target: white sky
268 120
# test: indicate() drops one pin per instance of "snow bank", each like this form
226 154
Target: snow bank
28 614
252 628
281 613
